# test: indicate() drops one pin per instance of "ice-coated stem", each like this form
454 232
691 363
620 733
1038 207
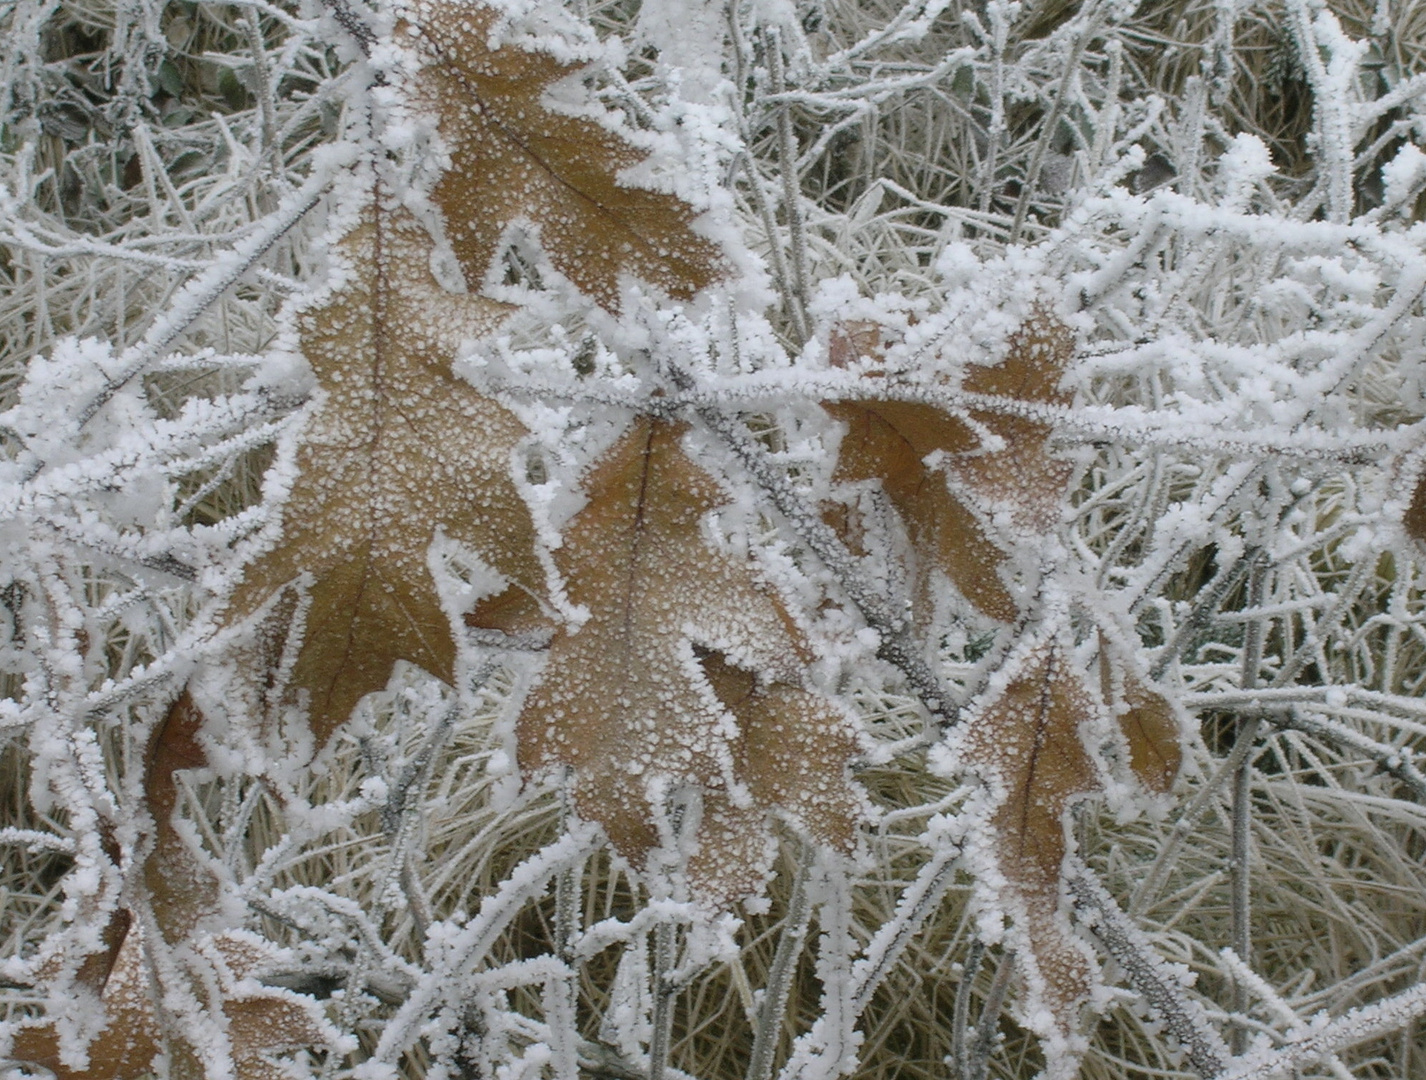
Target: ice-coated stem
1183 1018
779 976
1242 923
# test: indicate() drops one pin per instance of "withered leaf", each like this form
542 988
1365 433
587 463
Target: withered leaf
1026 740
1152 729
889 441
180 889
1148 720
127 1044
516 160
398 449
688 675
1020 481
259 1021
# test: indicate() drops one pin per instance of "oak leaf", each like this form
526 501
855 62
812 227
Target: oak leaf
1150 724
688 676
889 441
913 448
400 449
1026 740
516 160
397 450
182 891
1023 478
259 1021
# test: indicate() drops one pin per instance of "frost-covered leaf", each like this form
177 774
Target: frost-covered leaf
913 448
127 1044
181 889
397 450
1152 727
258 1021
687 676
516 160
1022 478
255 1021
1150 723
889 441
1026 739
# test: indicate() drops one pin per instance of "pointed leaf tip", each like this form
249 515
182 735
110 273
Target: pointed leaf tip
1026 740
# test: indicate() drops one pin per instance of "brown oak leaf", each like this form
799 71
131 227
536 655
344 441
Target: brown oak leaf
1023 478
687 676
1026 740
889 441
516 160
1149 722
182 891
892 441
398 449
259 1021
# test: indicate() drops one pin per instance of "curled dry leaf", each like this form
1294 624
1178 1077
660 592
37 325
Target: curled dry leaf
398 449
1149 722
259 1021
893 441
181 889
1026 740
688 676
514 159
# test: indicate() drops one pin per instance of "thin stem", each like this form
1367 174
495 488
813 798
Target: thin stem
664 992
983 1044
1240 881
960 1017
1159 986
779 977
791 195
995 132
1051 123
270 148
1210 598
1188 821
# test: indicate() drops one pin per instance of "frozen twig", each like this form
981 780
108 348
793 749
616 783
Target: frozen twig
1239 876
1183 1018
983 1043
791 188
200 293
665 990
960 1012
767 1030
1323 1036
